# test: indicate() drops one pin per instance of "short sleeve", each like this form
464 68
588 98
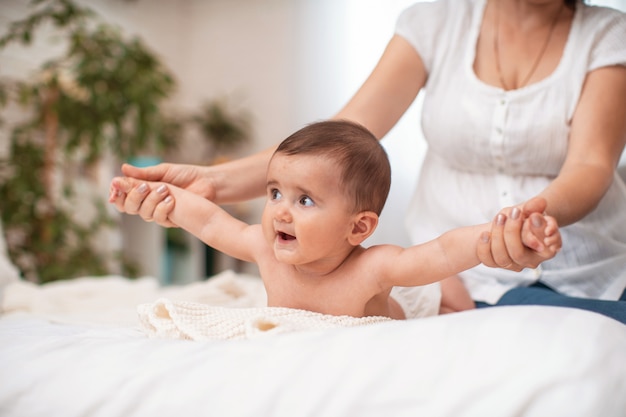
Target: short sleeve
430 27
418 24
609 38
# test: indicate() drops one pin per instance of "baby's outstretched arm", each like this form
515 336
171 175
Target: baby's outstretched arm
197 215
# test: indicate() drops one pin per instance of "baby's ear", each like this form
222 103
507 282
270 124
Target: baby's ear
363 226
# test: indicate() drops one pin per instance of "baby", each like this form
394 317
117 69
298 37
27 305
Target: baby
326 187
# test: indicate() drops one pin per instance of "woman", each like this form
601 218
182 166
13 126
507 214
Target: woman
523 98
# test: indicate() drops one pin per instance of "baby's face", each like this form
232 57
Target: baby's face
307 215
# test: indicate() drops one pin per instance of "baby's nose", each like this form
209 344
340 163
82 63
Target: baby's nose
283 214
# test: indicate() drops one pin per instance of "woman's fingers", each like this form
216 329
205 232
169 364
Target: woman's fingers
162 211
483 250
512 235
149 203
151 173
135 198
499 249
520 255
157 206
507 249
534 205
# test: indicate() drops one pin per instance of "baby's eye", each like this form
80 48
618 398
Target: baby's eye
306 201
275 194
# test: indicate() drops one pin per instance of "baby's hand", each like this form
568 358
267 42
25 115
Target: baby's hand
117 193
540 232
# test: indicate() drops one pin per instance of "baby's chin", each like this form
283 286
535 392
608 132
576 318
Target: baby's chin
285 255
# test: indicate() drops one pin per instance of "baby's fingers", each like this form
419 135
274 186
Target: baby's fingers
552 226
117 193
532 242
114 193
553 239
554 242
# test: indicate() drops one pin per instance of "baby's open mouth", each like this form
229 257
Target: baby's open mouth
285 236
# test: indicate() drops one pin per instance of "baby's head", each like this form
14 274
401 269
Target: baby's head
365 173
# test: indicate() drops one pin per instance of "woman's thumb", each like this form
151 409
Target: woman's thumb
535 205
151 173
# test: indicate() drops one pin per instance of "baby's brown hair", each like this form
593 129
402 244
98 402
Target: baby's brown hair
365 169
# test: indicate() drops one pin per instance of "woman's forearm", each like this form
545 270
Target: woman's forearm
241 179
596 141
576 192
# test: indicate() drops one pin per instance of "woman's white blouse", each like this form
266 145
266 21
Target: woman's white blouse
489 148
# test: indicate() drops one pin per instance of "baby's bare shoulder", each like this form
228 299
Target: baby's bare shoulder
378 260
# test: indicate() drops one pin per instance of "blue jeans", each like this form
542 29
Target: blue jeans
540 294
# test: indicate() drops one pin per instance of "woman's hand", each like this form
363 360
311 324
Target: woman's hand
157 202
505 247
132 197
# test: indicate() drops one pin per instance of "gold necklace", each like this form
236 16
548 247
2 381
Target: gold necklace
536 63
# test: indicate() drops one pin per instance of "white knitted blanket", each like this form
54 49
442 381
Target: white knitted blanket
195 321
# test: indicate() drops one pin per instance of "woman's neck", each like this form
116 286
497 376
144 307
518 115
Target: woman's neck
528 15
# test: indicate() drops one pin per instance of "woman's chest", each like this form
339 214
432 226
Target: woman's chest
487 130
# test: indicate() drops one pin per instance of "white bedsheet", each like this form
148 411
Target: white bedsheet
509 361
113 300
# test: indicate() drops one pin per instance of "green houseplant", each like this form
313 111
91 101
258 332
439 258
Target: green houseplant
223 126
105 95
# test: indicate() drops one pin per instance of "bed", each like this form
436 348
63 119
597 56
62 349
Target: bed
110 347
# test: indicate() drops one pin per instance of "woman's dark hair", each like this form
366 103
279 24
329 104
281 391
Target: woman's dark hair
572 3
